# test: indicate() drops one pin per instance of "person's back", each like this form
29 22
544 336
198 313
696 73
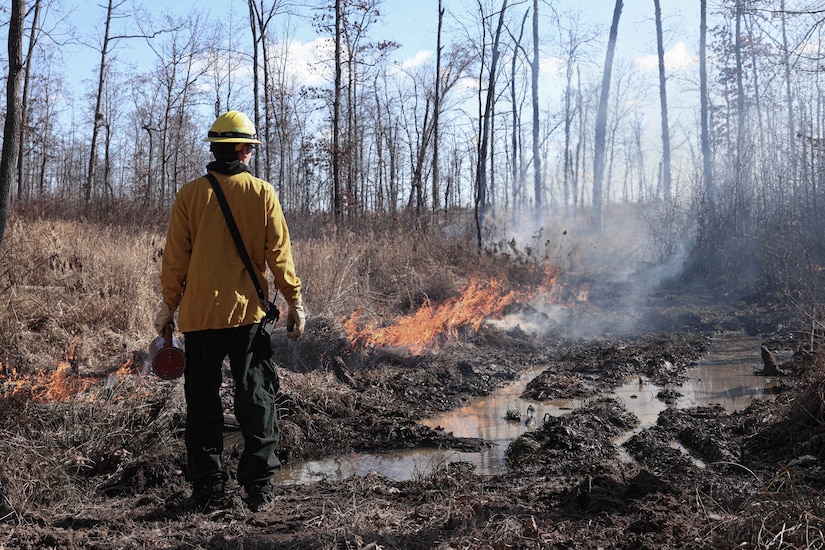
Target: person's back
215 274
220 312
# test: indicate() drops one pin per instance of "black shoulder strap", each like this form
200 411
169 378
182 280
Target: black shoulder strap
236 236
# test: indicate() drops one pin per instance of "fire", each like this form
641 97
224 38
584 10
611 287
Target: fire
432 324
57 386
60 385
477 303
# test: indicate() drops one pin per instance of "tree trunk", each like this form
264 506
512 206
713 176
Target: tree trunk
437 111
535 92
579 160
788 99
568 124
601 121
266 148
666 177
23 189
514 137
336 120
481 164
98 116
11 128
255 78
703 101
739 213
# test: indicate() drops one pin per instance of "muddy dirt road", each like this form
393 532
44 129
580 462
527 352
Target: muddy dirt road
701 477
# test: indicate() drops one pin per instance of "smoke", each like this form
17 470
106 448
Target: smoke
606 277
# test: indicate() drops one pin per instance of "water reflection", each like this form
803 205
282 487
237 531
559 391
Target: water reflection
725 377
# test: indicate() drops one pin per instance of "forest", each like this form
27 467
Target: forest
476 190
473 126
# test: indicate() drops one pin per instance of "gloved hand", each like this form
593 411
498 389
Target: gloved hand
295 318
163 317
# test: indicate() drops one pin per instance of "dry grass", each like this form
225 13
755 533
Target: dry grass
92 286
66 284
385 267
59 452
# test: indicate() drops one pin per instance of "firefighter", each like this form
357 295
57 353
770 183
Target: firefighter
203 278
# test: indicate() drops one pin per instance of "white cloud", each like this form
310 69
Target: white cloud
550 66
420 58
677 59
307 61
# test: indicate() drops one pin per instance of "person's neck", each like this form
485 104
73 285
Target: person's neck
228 167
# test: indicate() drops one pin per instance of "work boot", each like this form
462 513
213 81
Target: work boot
259 497
207 497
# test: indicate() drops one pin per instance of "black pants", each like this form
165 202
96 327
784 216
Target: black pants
256 387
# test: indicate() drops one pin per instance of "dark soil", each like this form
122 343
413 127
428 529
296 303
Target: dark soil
699 478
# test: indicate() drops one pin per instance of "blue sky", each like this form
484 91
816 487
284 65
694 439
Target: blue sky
413 24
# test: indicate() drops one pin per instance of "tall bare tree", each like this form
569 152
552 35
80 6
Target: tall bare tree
260 18
660 48
707 170
11 128
516 141
34 31
534 87
98 115
572 41
484 137
436 195
336 120
739 168
601 120
788 96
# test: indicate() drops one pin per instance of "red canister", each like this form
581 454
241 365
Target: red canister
168 359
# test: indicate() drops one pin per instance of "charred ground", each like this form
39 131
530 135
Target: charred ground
748 479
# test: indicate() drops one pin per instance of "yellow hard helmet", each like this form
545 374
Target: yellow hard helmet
233 127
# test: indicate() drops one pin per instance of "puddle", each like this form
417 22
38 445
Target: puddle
484 418
724 377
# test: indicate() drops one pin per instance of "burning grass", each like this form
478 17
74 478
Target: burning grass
432 323
93 287
478 302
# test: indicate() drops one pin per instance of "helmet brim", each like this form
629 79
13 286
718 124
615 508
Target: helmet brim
232 140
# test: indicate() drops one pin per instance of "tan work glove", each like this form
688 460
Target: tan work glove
163 317
295 318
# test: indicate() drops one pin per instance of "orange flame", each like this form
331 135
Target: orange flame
60 385
478 301
431 324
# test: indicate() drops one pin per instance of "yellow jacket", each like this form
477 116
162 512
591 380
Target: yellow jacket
202 272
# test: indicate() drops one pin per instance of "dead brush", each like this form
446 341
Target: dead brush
306 403
306 397
320 390
784 514
783 511
74 282
58 453
796 427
